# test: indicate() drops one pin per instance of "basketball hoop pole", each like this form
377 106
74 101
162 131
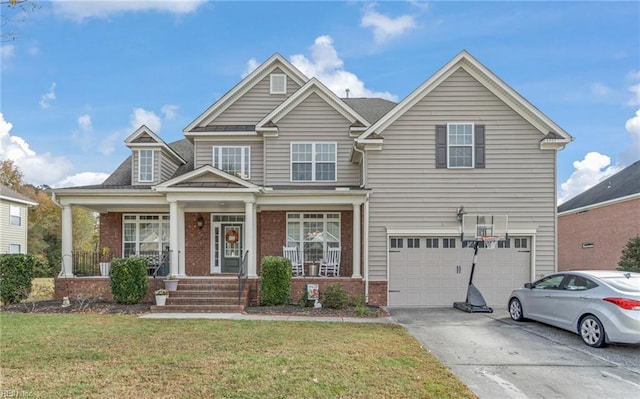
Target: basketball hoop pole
475 301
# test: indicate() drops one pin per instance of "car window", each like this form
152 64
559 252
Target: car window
550 282
578 283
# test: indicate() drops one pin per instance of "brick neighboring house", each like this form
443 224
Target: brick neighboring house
280 160
14 223
595 226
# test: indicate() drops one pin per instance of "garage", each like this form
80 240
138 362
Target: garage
434 271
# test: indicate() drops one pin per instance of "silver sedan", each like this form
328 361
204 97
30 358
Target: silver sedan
602 306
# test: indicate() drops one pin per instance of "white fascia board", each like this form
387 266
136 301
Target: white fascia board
205 190
159 143
491 81
206 196
313 86
600 204
227 133
275 61
158 199
12 199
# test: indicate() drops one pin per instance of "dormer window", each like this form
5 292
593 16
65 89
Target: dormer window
278 84
145 166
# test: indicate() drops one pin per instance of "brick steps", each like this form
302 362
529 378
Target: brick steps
214 295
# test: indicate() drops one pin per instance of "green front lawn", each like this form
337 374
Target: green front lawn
89 356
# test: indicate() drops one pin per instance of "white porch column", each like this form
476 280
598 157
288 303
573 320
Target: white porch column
173 237
356 242
67 241
250 237
181 242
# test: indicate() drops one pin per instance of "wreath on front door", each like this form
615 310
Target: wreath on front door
231 236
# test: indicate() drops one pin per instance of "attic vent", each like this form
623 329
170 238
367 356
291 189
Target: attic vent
587 245
278 84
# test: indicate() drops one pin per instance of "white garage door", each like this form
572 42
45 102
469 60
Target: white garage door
435 271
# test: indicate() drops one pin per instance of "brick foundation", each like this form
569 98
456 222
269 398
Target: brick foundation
96 286
378 293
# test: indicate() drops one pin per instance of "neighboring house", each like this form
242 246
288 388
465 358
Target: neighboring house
13 221
595 226
280 160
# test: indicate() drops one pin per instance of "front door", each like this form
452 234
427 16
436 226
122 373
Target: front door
231 247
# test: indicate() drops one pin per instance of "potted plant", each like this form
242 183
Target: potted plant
161 296
105 261
171 282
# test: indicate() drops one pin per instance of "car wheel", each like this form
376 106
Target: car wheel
592 332
515 309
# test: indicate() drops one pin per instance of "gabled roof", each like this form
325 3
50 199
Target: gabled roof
313 86
198 179
12 195
623 184
144 136
491 81
246 84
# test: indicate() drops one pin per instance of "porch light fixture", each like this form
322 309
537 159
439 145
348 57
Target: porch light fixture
460 212
200 222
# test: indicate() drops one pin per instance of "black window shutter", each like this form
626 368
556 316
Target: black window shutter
479 146
441 146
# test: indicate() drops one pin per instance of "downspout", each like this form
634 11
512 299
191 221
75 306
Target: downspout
365 223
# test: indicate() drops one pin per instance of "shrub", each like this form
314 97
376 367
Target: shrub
359 302
129 279
16 275
275 280
630 259
334 296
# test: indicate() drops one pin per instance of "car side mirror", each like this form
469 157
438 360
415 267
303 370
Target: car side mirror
529 285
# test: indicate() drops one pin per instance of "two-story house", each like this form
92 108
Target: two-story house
13 221
280 160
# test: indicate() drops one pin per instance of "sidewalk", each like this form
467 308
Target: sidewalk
262 317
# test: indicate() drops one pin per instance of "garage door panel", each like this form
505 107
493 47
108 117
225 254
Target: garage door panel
440 276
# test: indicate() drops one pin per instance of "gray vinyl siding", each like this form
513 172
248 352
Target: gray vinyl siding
10 234
156 167
409 192
311 121
255 104
203 153
167 168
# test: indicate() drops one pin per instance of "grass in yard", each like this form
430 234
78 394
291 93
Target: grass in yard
62 356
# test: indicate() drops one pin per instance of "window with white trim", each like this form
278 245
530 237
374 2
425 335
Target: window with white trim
413 243
15 249
15 215
460 145
278 83
233 160
144 233
311 162
145 166
395 243
313 234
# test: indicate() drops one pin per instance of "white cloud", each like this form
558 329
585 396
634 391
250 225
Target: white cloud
635 99
81 10
169 111
590 171
7 52
82 179
84 122
48 97
326 66
37 169
386 28
252 64
139 117
632 153
600 89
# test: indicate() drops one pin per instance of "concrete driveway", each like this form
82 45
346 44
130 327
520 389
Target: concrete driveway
499 358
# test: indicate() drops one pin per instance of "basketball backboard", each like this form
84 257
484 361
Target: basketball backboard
484 227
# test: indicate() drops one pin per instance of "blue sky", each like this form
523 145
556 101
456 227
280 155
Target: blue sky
79 77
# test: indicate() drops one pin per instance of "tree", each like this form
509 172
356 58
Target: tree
630 259
14 12
10 175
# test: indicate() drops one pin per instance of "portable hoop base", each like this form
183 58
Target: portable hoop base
475 302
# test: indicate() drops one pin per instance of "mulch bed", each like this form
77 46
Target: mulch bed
111 307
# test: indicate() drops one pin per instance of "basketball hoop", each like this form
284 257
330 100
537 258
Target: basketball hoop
490 242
